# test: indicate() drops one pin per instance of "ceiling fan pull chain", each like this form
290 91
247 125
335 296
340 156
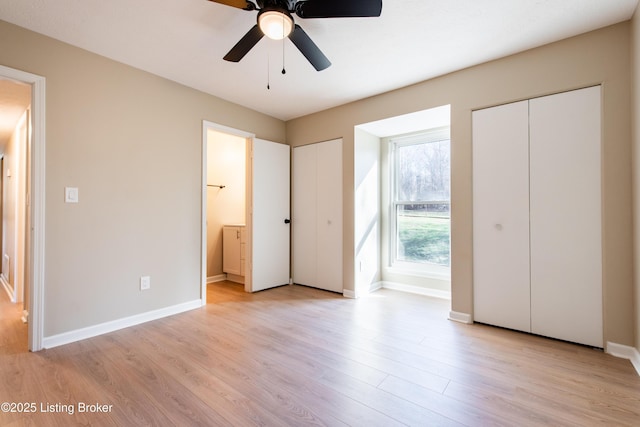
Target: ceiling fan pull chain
268 72
283 70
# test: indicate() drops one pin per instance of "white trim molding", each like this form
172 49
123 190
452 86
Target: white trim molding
7 287
429 292
366 290
460 317
349 294
218 278
375 286
362 290
114 325
624 352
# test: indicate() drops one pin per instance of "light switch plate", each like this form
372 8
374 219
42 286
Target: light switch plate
71 195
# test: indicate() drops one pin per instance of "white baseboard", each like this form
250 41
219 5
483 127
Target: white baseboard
349 294
460 317
430 292
635 360
218 278
375 286
362 290
7 287
114 325
235 278
435 293
625 352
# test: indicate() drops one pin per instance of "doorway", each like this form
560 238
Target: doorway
259 240
22 254
15 138
226 207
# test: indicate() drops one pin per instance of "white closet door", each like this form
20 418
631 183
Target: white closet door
317 215
566 240
304 214
501 216
329 209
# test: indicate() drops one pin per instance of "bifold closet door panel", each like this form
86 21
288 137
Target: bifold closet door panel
566 235
501 216
330 215
304 214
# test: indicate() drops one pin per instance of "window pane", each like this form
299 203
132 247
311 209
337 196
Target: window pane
423 233
423 172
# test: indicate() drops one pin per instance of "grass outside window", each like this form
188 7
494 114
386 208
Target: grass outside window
423 238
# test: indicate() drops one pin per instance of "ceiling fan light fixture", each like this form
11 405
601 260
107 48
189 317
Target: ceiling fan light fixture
275 24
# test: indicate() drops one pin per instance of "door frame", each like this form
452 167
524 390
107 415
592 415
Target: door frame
36 256
206 127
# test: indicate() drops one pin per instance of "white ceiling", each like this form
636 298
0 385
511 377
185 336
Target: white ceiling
413 40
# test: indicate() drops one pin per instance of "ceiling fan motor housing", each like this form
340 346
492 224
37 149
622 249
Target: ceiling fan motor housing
288 5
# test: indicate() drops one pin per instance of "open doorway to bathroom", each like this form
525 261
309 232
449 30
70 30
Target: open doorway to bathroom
226 209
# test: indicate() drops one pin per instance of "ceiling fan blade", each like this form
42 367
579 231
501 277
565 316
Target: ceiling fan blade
245 44
309 49
240 4
338 8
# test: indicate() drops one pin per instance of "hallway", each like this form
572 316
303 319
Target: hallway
13 332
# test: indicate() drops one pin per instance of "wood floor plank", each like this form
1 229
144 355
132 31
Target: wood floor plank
293 356
296 376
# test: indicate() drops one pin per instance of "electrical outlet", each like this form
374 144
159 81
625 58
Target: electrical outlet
145 283
71 195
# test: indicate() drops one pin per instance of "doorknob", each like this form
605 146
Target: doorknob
287 221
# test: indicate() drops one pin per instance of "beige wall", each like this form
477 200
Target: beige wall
635 54
132 143
600 57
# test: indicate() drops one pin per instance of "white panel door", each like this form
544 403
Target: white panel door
566 240
304 215
501 216
329 191
270 208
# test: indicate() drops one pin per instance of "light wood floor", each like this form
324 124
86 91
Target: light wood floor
299 356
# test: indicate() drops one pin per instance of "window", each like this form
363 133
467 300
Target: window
420 199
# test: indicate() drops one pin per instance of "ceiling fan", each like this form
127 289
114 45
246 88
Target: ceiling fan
275 20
